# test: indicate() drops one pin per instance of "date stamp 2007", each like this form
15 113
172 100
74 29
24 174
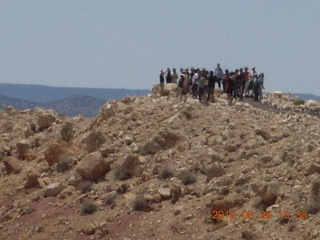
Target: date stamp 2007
259 215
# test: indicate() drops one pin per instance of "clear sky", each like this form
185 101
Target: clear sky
124 43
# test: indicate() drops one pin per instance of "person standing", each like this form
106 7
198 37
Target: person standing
246 81
161 76
168 76
174 75
219 74
195 83
211 81
228 86
252 78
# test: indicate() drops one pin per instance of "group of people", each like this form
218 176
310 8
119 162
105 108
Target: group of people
201 83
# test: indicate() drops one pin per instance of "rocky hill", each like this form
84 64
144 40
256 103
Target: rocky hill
155 167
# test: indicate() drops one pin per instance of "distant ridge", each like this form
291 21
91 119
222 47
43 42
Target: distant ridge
306 96
47 94
67 101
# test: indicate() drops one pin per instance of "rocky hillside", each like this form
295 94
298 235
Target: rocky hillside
155 167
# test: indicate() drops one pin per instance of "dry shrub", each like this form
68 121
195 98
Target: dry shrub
139 203
120 173
88 206
123 188
166 172
67 132
109 200
188 178
65 163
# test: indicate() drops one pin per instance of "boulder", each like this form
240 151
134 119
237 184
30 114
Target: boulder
164 140
170 87
45 120
53 189
165 193
268 191
107 111
32 180
12 164
213 170
238 106
313 168
94 141
55 151
93 166
224 204
311 103
263 133
210 156
106 151
277 94
129 166
22 147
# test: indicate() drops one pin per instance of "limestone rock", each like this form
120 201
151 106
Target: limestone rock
12 164
53 189
263 133
130 165
93 166
312 103
170 87
45 120
213 170
232 147
224 204
313 168
107 111
94 141
210 156
22 147
268 191
32 180
106 151
55 151
164 140
165 193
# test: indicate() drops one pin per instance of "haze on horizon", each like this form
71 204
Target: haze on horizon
124 44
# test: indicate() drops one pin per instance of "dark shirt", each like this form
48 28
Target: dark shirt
212 79
161 78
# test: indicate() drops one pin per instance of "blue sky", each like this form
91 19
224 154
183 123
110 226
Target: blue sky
124 43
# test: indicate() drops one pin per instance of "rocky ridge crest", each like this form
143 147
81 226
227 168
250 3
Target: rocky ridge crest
160 168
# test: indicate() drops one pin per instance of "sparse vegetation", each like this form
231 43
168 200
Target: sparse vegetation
88 206
120 173
166 172
139 203
64 164
109 200
67 132
123 188
188 178
298 102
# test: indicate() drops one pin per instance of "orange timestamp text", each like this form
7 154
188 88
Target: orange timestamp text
259 215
